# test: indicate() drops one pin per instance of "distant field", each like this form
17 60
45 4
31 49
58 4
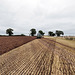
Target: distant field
8 43
70 43
64 41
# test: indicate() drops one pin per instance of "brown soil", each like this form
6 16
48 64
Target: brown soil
9 43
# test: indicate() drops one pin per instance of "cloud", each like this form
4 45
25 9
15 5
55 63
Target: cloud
22 15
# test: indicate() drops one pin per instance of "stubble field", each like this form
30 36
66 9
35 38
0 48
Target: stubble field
39 57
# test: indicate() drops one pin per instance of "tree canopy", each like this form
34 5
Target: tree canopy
50 33
33 32
41 32
9 31
22 35
58 32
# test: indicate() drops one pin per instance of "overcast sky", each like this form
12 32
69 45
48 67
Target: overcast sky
46 15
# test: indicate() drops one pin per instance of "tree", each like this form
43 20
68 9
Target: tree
9 31
22 35
58 32
33 32
53 34
50 33
41 32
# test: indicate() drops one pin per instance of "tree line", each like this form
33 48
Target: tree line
33 32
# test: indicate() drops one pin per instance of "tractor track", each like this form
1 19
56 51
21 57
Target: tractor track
38 57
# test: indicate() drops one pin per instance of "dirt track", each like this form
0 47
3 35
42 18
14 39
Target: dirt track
38 57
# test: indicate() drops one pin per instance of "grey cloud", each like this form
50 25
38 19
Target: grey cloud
22 15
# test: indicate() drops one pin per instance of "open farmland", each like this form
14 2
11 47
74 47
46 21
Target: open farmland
39 57
7 43
63 41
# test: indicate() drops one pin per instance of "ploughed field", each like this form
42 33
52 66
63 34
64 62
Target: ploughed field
39 57
8 43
